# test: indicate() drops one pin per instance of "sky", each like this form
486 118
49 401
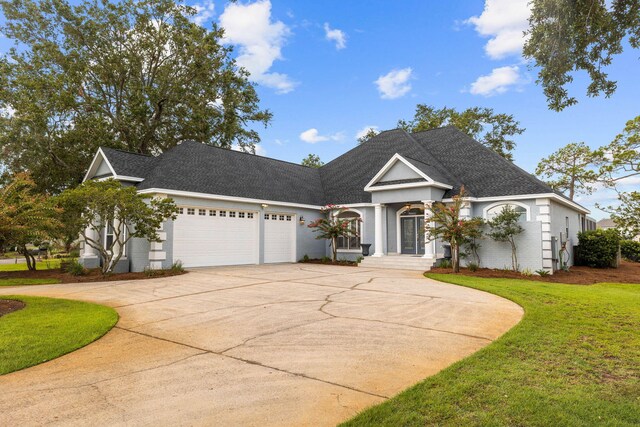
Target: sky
330 69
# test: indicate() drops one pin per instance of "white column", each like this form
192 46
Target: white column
378 231
429 245
88 251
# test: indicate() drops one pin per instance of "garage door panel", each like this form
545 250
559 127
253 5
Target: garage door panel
279 238
201 241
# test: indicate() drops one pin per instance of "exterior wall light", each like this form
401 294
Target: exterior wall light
301 220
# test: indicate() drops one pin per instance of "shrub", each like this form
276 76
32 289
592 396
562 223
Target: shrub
326 259
305 258
599 248
359 259
527 272
630 250
177 267
445 263
472 266
73 267
543 273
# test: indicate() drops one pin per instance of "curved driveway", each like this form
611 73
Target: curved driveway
289 344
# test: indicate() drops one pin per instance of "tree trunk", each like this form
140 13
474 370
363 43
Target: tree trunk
455 255
514 255
30 259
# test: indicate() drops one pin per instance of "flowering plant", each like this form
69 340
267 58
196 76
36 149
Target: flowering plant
333 226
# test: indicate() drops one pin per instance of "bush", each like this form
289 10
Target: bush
630 250
73 267
543 273
472 266
177 267
445 263
599 248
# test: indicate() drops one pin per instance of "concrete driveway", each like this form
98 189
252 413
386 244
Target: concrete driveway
287 344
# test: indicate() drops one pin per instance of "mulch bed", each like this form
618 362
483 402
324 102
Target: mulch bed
10 305
339 262
94 275
628 272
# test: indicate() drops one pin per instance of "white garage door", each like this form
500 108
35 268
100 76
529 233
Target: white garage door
279 238
210 237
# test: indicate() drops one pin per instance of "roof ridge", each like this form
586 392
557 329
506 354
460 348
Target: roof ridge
102 147
250 154
360 145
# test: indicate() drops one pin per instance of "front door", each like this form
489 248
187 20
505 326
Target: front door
412 235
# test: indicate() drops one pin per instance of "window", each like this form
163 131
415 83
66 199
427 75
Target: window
180 211
232 214
566 226
281 218
351 243
250 215
240 214
288 217
494 210
109 236
212 213
223 213
266 216
274 217
191 211
202 212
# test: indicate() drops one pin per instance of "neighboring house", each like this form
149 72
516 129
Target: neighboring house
606 223
238 208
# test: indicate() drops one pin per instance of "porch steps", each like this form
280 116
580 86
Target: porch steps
398 263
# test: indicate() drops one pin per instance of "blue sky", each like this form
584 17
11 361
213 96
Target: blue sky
316 64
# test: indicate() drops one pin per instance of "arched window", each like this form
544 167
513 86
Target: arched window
491 211
351 243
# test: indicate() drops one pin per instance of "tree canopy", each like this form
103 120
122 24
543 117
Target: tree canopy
312 161
494 130
568 36
572 169
134 75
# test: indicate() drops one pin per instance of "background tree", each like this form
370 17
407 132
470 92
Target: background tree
371 132
312 161
626 215
568 36
504 227
332 227
623 154
493 130
26 217
134 75
129 214
572 169
447 225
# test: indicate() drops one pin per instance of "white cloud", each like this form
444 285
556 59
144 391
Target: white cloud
312 136
394 84
204 12
362 132
504 22
260 41
335 35
497 82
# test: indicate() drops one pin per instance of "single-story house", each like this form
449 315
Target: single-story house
238 208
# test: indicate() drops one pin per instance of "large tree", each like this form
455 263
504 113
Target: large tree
312 161
572 169
135 75
568 37
494 130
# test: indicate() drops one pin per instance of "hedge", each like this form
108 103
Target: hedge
630 250
599 248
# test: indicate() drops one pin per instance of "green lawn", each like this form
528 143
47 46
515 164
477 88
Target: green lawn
573 360
19 281
48 328
40 265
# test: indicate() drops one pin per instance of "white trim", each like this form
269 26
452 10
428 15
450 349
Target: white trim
493 205
225 198
393 160
91 170
359 212
524 197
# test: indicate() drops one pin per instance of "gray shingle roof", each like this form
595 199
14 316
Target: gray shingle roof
200 168
129 164
445 154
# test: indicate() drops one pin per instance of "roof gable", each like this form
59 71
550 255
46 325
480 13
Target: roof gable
401 172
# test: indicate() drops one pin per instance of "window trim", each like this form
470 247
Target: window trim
526 207
106 233
360 232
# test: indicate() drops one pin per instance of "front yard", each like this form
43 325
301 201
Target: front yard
574 359
42 329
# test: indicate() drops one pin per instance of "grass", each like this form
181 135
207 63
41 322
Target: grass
48 328
574 359
40 265
20 281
